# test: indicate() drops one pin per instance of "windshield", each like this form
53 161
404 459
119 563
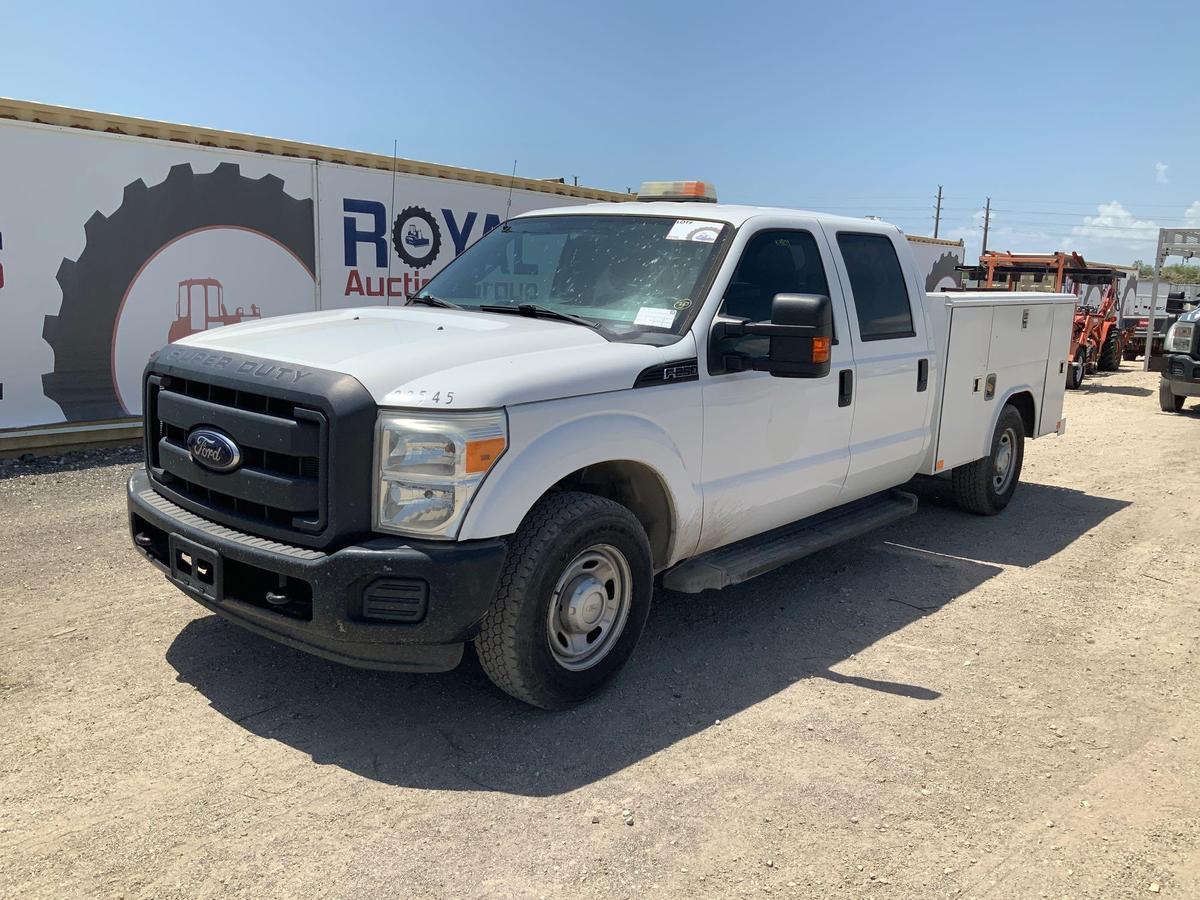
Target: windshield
629 274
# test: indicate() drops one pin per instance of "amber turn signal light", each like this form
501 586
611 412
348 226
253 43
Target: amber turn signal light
481 454
820 349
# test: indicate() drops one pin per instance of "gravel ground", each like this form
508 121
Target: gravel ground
951 707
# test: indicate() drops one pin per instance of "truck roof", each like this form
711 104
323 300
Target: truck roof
721 212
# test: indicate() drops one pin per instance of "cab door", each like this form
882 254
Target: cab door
775 449
892 355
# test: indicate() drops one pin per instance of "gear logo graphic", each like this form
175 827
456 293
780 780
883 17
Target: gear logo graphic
416 237
119 246
944 270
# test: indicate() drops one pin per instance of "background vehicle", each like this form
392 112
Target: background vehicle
1181 362
1180 242
582 401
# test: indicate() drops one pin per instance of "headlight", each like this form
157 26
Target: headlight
1179 337
429 467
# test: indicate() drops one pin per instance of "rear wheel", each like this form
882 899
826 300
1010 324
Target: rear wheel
1110 353
986 485
1167 400
1074 375
573 598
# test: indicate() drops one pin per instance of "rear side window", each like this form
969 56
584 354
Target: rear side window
877 281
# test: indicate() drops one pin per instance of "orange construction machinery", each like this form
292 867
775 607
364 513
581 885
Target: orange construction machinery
200 306
1097 342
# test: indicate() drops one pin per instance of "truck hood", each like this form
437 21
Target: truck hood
426 357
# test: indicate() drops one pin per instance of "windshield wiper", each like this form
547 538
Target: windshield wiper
534 311
430 300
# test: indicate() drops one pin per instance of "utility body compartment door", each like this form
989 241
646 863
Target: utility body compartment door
1051 406
965 412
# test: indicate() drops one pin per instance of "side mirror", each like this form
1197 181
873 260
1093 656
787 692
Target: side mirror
801 333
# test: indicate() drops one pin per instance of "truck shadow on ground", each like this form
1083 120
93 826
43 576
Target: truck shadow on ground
702 658
1129 390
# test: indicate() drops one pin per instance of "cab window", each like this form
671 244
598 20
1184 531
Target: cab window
877 282
774 262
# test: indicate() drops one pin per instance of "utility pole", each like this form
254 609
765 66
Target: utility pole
937 215
987 220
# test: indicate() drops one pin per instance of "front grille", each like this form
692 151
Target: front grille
280 483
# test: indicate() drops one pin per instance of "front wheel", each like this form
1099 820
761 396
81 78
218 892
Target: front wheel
1167 400
986 485
573 599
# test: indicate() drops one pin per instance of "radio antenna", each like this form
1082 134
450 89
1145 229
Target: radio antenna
387 287
513 178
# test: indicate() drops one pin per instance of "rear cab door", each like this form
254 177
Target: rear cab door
893 355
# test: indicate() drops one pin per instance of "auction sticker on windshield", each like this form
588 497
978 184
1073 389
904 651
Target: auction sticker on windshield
655 317
692 230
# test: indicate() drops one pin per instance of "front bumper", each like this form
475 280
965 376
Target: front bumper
1182 373
383 603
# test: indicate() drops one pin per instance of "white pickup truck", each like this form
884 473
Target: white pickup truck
587 401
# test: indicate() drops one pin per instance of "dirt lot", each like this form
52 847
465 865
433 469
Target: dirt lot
952 707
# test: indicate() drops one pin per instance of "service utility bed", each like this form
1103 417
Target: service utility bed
994 345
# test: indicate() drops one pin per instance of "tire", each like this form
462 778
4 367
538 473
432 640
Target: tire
1168 401
1074 376
116 248
1110 353
980 487
515 642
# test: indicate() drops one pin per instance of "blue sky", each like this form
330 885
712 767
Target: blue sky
1078 119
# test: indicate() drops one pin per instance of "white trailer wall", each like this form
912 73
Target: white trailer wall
937 259
97 232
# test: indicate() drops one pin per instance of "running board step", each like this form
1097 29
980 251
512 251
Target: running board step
762 553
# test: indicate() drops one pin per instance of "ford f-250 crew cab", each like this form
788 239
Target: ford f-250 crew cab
586 400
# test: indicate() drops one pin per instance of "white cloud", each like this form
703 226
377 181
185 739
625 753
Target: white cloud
1115 223
1160 172
1114 234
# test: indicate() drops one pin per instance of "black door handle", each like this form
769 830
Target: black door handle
922 374
845 387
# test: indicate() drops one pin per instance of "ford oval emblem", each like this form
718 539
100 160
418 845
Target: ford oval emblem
214 450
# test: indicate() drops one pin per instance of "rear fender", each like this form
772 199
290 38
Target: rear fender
986 449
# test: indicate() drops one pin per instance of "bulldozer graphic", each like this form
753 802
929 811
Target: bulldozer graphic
200 305
414 238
